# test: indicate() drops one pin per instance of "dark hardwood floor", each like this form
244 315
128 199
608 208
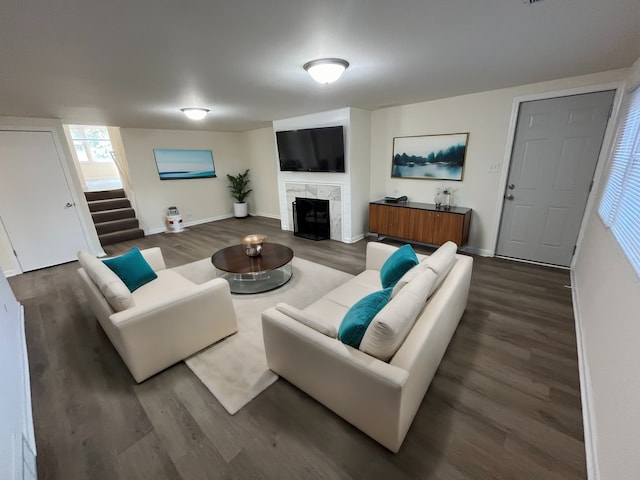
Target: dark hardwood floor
505 402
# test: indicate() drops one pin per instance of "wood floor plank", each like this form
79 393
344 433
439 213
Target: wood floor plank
505 402
146 459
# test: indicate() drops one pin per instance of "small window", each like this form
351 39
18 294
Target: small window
92 143
620 203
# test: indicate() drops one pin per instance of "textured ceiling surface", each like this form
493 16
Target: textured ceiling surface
136 63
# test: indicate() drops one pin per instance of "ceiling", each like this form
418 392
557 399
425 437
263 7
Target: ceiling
135 63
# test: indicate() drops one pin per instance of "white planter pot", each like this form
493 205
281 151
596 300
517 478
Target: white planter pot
240 210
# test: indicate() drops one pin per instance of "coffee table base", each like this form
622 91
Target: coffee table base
247 283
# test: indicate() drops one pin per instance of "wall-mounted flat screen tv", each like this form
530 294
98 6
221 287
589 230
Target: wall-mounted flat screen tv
182 164
311 150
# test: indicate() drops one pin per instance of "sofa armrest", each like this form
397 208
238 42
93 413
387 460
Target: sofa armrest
363 390
154 258
154 336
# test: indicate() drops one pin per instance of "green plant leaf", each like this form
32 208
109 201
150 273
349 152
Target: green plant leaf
238 184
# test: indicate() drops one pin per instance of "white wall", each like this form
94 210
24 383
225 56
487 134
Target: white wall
263 161
8 262
486 116
99 170
360 156
199 200
16 420
606 304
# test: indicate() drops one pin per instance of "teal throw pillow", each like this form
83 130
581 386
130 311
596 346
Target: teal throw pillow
132 269
399 263
357 319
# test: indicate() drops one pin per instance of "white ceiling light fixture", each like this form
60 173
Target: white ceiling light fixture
326 70
195 113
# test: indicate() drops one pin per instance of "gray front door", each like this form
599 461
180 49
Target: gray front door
553 160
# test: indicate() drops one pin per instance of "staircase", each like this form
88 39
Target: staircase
113 216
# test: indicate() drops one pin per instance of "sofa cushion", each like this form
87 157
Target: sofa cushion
355 322
168 283
132 269
307 319
112 288
410 275
441 262
392 324
356 288
398 263
330 312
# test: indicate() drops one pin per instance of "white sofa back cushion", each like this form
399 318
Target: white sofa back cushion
110 285
439 261
410 275
392 324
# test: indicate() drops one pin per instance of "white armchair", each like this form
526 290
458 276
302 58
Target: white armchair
162 322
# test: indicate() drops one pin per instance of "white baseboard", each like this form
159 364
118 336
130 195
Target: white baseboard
586 394
355 239
10 273
267 215
207 220
164 229
483 252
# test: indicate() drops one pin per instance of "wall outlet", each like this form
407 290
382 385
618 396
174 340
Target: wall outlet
494 168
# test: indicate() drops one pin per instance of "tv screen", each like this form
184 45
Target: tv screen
311 150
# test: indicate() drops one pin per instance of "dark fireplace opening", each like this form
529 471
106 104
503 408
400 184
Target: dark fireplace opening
311 218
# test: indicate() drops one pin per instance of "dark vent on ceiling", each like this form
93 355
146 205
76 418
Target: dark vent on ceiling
531 1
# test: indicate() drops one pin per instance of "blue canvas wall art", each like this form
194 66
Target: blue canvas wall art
182 164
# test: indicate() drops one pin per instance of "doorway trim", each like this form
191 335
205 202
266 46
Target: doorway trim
607 143
32 125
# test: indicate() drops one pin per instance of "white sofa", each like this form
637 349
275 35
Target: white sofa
378 397
162 322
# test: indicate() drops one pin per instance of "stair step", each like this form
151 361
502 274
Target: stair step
108 204
109 215
104 194
121 236
116 225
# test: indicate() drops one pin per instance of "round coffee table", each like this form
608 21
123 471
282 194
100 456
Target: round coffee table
268 271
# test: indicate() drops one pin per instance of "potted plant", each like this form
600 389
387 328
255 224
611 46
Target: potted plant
238 184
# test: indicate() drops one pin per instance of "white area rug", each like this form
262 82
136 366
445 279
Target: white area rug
235 369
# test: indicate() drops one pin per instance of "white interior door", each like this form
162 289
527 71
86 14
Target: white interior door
555 151
36 205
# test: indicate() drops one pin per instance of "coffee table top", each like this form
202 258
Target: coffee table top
234 259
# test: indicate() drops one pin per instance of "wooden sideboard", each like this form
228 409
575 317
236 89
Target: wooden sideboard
420 222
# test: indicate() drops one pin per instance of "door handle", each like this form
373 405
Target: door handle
511 186
509 197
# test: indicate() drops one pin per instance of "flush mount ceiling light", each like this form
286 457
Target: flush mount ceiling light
326 70
195 113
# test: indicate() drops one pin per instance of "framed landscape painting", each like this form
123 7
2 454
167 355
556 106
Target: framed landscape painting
430 157
181 164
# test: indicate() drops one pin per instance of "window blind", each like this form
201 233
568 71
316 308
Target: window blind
620 203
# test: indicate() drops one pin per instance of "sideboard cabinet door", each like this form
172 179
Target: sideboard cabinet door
420 222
